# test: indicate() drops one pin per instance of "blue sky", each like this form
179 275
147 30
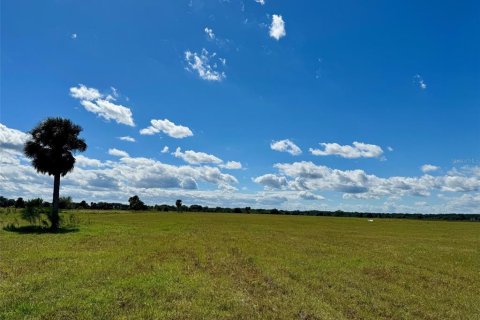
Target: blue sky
368 91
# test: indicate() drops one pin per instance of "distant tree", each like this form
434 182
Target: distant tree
274 211
248 209
20 203
136 203
83 205
237 210
51 147
65 202
4 202
195 208
178 204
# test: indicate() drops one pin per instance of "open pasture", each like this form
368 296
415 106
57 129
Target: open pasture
236 266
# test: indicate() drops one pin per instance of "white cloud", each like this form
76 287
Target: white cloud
277 28
127 138
73 36
389 148
202 65
165 149
194 157
306 176
84 93
309 196
429 167
418 79
262 2
82 161
271 181
232 165
115 92
93 101
168 127
358 150
292 187
12 138
270 199
209 33
286 146
117 153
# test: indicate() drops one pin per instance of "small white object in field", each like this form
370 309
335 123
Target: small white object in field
370 220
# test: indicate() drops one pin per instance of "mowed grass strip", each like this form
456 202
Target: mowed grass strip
238 266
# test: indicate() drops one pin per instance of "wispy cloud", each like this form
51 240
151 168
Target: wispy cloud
306 195
418 79
204 65
277 27
209 33
429 168
127 138
262 2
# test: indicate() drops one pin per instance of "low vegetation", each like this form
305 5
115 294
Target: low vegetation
164 265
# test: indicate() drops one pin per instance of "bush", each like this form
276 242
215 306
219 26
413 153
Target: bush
33 211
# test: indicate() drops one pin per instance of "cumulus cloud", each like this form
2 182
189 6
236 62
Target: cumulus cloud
271 181
193 157
110 111
204 65
306 176
358 150
286 146
232 165
117 153
167 127
84 162
93 101
429 168
127 138
262 2
277 27
293 186
113 180
12 138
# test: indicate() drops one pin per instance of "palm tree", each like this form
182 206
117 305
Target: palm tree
178 203
50 147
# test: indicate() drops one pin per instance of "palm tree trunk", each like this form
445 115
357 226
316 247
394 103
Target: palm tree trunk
54 217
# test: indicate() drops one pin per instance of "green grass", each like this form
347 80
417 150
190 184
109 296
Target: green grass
227 266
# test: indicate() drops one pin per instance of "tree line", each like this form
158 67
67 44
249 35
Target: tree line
137 205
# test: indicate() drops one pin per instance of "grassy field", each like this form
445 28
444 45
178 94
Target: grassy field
227 266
